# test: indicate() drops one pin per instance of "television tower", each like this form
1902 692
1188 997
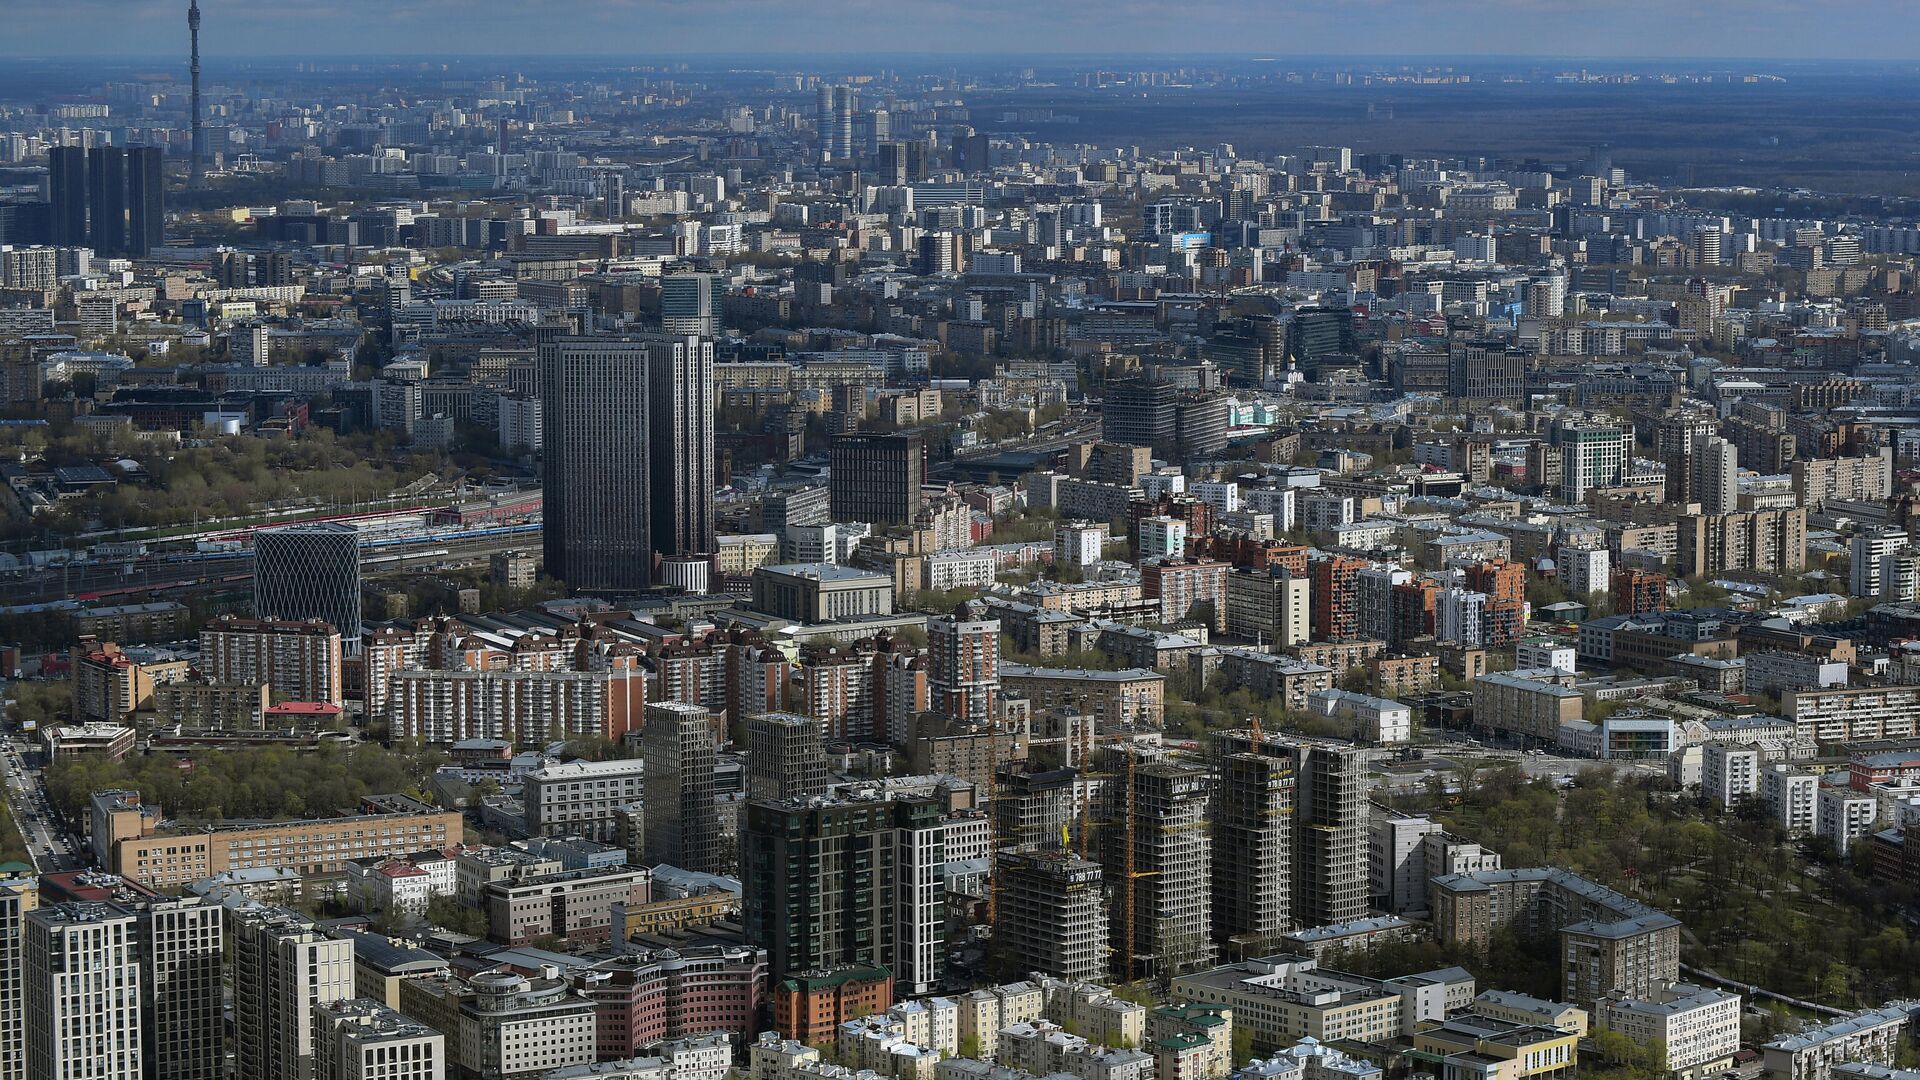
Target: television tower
198 167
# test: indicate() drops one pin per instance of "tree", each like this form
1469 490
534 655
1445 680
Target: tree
1243 1044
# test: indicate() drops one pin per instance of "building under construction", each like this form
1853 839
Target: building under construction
1156 854
1033 808
1051 916
1323 871
1252 853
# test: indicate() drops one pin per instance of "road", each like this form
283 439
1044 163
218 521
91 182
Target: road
48 843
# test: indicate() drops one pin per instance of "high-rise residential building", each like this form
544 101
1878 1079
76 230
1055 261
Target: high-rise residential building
296 660
1330 834
920 897
18 897
1867 548
1769 541
67 190
107 200
358 1039
682 823
284 970
785 757
1157 853
1336 597
690 304
1637 592
1252 852
1673 441
1270 605
303 572
964 675
300 660
595 414
1716 475
181 988
833 121
825 885
680 445
876 478
82 980
146 201
1051 913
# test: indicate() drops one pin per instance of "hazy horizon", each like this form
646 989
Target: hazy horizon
1614 31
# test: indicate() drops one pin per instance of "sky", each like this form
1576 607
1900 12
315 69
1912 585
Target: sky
1621 29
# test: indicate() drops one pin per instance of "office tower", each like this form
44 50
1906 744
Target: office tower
594 395
303 572
1330 833
1486 371
82 993
1594 453
18 897
1252 852
1051 913
690 304
146 201
359 1039
876 478
1155 849
680 445
107 200
682 823
284 969
67 192
785 758
969 151
1174 423
1673 439
901 163
199 163
964 680
180 988
1321 337
1716 475
822 880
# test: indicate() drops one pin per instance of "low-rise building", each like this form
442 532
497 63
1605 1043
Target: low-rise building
1873 1036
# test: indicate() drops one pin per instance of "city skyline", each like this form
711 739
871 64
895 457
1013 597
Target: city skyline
1702 29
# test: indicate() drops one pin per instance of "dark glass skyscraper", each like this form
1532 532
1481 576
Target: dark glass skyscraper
594 395
310 572
877 478
107 199
146 201
67 183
